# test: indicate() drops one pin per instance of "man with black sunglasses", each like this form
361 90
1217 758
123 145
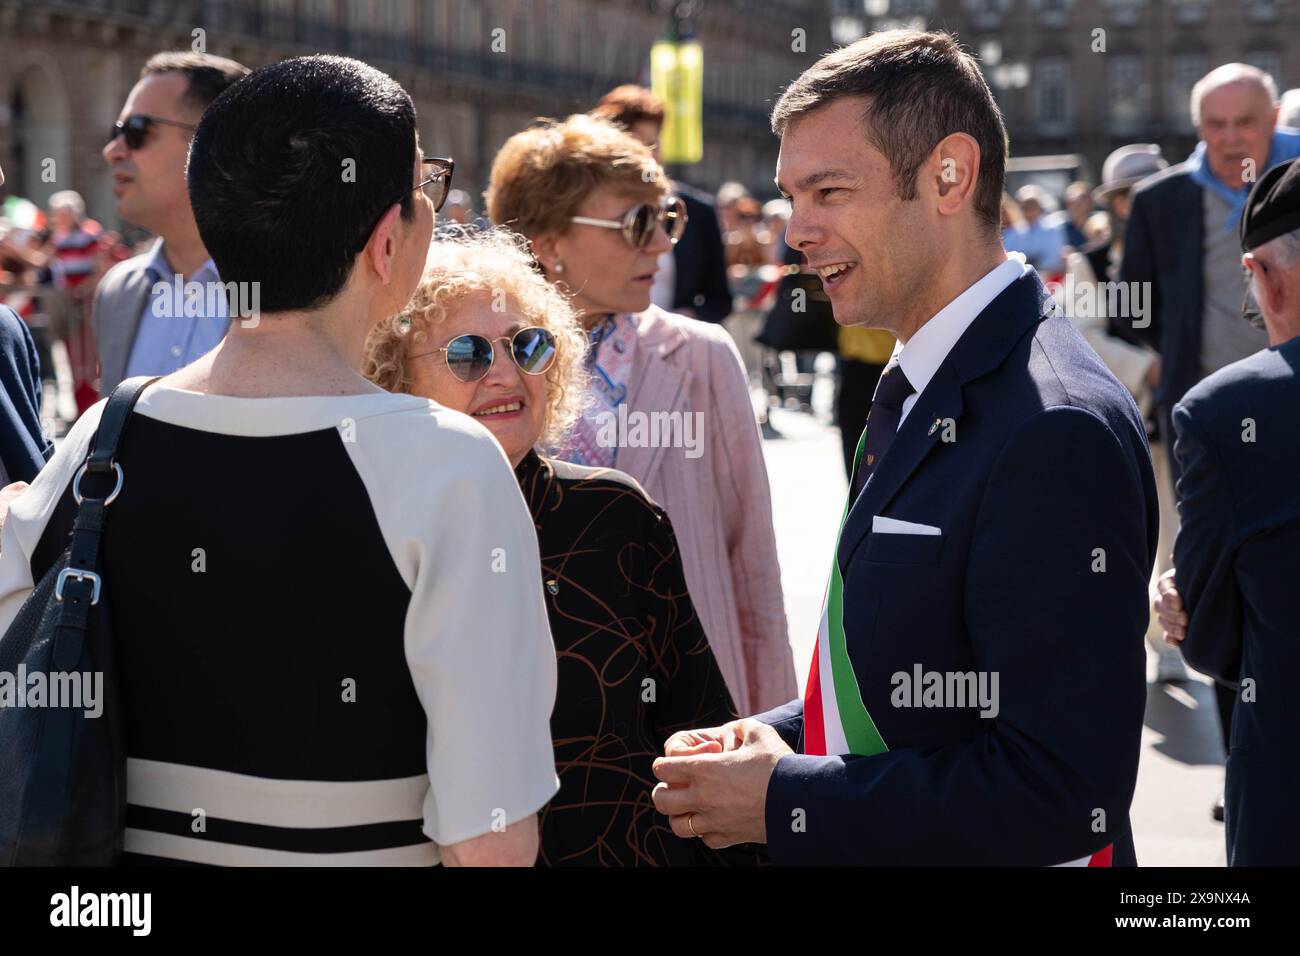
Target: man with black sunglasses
146 152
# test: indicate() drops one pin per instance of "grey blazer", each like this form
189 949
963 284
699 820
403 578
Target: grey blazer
119 302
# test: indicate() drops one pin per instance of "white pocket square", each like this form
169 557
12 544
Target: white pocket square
882 525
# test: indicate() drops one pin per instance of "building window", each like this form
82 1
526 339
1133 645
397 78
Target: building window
1188 68
1053 13
986 14
1270 61
1124 12
1261 11
911 8
1051 89
1126 95
1191 11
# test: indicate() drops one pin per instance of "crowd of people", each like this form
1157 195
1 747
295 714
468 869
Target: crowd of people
461 548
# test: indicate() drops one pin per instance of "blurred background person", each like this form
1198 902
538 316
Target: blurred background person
459 210
597 210
621 615
1039 238
138 330
1078 210
1235 605
1289 109
728 197
73 247
863 355
775 217
1134 362
1182 241
692 277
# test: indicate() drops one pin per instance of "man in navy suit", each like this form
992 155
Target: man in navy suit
1239 447
978 685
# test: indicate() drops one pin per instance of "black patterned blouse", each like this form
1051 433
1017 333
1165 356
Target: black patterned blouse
634 665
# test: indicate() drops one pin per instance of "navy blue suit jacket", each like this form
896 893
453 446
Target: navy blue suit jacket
1239 499
24 448
700 261
1047 507
1163 246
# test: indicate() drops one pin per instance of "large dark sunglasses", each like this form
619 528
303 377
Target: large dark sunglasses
135 129
470 357
638 223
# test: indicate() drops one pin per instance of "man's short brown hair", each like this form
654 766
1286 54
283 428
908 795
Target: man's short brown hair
206 76
630 104
541 175
922 87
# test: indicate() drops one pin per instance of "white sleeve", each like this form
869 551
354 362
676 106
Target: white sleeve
31 511
478 641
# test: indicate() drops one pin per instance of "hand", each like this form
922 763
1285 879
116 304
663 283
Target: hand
1153 373
720 796
1168 606
716 740
7 495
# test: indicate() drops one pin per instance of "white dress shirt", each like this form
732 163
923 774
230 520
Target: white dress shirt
925 351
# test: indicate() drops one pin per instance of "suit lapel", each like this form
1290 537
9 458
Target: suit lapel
659 379
982 347
117 329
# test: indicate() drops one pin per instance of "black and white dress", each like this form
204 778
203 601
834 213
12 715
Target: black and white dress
332 641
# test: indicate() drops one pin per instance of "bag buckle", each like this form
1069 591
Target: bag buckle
117 489
95 582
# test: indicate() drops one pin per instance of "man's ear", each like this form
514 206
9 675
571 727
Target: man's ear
381 249
954 166
1268 285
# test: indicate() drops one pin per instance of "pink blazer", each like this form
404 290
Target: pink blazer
719 501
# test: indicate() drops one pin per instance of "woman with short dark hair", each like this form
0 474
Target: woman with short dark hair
325 598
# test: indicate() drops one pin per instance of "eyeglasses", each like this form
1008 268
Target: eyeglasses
437 173
135 129
470 357
639 223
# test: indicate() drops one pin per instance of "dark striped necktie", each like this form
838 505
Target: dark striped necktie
882 421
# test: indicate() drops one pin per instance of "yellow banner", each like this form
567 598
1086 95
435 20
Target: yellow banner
677 77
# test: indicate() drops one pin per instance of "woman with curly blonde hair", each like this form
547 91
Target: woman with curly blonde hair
487 335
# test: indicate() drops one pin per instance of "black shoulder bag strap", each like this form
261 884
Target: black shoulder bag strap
79 584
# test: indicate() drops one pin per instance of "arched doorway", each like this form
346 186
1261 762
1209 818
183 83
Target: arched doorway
41 133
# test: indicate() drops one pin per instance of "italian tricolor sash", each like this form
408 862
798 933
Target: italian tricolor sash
836 721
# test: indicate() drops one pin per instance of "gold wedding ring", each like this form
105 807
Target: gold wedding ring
690 825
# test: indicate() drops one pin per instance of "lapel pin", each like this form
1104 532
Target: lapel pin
553 586
938 422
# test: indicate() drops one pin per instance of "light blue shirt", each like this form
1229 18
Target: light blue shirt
1040 243
176 329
